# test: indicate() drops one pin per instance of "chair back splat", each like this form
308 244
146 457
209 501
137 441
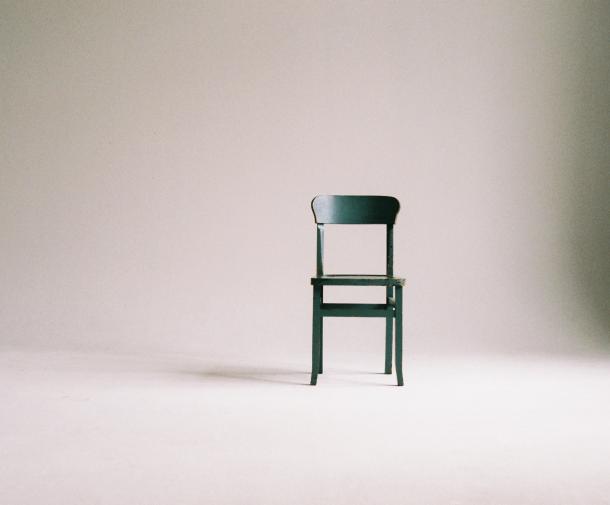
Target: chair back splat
357 209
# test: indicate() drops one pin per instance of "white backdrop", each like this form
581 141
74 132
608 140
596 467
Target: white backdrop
158 160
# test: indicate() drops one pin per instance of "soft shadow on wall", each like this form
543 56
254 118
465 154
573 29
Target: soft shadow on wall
588 218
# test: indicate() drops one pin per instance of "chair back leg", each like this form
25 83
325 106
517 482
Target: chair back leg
389 324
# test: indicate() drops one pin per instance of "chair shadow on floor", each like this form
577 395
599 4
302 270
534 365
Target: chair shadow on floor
268 375
251 374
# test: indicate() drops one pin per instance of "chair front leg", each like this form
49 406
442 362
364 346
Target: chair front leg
316 346
389 325
399 335
321 369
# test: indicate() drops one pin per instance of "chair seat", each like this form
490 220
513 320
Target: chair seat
357 280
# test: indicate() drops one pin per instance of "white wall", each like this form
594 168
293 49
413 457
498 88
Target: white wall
158 160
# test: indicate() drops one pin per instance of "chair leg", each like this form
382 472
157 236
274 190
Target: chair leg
316 334
399 335
321 369
389 324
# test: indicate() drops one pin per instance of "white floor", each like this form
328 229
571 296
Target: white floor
92 429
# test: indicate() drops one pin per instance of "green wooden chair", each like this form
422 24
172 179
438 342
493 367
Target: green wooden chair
334 209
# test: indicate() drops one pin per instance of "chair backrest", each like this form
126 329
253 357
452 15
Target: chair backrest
355 209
